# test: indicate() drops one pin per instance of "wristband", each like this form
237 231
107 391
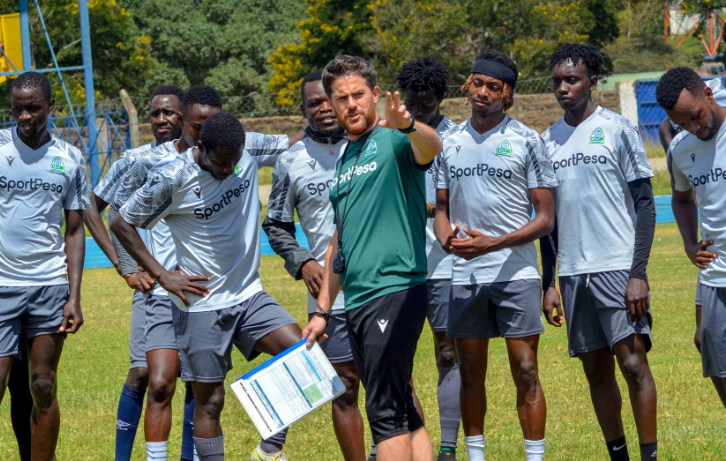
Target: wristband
324 315
411 128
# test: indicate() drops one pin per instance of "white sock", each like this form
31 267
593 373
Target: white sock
534 449
475 447
156 451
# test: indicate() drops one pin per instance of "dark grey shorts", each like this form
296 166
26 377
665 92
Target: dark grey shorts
159 323
438 310
337 345
27 312
596 314
698 292
713 331
508 309
137 333
205 339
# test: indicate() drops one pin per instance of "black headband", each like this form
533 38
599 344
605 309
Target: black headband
495 69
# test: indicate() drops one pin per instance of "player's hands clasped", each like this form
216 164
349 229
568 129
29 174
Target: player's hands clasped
72 317
312 275
476 244
699 255
551 303
637 298
397 117
177 283
140 280
315 330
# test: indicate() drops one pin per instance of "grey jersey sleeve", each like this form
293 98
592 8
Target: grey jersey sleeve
540 172
679 181
154 200
279 225
77 197
110 182
266 149
632 157
127 263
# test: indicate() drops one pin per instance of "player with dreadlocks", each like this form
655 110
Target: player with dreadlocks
494 171
604 200
424 82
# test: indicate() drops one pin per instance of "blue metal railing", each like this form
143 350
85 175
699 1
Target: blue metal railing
111 127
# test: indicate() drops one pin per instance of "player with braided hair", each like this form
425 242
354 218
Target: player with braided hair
424 82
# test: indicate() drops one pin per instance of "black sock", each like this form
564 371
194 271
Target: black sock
618 450
649 451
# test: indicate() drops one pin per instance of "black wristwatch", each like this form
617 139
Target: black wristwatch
411 128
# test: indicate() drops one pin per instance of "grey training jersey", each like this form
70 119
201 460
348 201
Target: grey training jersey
111 181
265 149
594 162
6 136
35 187
215 225
301 180
439 262
701 165
489 176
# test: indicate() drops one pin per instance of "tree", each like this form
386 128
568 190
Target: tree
120 52
391 32
641 46
332 27
222 43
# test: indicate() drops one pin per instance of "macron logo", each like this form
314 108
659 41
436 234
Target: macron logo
198 191
10 159
312 163
122 425
382 324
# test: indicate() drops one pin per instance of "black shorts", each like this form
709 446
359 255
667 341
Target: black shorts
383 335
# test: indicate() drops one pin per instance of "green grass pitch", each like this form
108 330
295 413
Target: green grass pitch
691 419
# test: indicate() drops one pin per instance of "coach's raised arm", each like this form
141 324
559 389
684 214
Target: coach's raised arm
425 143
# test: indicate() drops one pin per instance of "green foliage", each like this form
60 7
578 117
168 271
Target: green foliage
120 52
330 28
391 32
641 46
223 43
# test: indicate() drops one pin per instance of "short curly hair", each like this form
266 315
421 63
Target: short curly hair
201 95
673 82
32 80
168 90
425 73
590 56
222 130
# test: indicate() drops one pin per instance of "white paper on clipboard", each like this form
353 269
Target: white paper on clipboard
287 387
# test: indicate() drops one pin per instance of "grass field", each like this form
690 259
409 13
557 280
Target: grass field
95 361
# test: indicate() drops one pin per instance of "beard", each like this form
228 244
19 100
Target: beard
361 126
713 127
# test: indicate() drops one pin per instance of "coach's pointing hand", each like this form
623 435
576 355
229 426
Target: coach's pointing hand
476 244
396 114
177 283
